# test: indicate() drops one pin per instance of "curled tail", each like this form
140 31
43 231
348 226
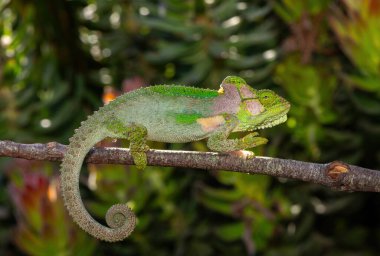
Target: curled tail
120 218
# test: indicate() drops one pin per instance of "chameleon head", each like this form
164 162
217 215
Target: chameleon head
258 109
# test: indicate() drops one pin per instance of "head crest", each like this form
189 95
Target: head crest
234 82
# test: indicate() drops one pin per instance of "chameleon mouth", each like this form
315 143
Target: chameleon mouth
279 120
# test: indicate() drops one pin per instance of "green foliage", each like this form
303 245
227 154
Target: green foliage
310 89
44 76
358 33
57 57
292 11
201 41
247 201
43 227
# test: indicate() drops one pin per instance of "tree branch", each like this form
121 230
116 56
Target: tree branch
337 175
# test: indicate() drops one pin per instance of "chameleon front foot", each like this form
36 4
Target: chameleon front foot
244 154
251 141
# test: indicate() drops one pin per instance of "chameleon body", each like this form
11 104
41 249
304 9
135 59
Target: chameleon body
172 114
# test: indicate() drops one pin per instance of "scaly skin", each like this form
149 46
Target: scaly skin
168 114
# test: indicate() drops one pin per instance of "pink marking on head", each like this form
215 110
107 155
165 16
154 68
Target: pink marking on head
254 107
246 92
228 102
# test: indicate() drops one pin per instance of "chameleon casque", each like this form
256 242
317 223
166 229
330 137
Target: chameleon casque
166 113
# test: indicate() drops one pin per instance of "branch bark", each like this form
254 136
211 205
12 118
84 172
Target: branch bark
337 175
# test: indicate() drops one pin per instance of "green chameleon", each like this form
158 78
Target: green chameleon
166 113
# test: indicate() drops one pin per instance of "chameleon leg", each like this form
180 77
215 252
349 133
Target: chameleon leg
219 141
136 134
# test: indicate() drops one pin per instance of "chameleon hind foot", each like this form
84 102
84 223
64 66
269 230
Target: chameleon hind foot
136 134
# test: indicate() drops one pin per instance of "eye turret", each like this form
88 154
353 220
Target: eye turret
266 97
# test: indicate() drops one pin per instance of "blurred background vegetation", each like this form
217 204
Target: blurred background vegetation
61 60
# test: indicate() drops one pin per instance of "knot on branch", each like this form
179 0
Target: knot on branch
336 171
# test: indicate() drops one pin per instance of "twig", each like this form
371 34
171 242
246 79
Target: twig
337 175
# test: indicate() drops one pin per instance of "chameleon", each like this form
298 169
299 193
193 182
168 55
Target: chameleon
172 114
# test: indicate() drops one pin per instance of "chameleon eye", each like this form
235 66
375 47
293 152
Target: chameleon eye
266 97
